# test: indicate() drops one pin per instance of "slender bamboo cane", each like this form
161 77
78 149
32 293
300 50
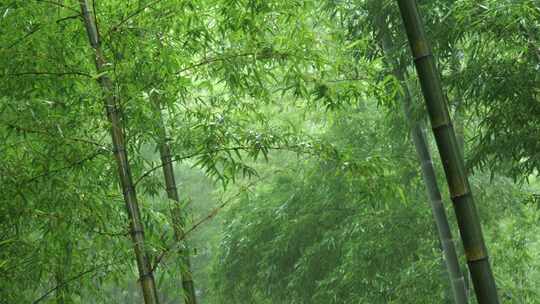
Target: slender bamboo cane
177 215
428 172
452 159
112 107
62 293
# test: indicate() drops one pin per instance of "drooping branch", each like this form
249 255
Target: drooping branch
133 14
73 278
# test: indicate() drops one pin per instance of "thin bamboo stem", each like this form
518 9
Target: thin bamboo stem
146 277
177 215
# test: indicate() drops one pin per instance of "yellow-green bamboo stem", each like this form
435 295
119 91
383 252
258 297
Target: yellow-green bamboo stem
448 248
452 159
112 107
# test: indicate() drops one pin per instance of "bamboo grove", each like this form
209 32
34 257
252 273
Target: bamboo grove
249 151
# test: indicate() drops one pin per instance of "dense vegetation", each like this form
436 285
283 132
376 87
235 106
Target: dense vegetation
250 151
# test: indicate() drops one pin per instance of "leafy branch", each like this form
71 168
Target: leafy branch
67 167
28 130
262 55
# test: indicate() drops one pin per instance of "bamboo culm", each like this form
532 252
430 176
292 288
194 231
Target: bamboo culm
452 159
64 264
177 215
112 107
457 282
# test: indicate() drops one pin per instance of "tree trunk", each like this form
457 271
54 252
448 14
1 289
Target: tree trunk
452 159
177 214
112 107
428 173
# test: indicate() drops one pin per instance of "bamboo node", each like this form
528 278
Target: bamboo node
459 189
145 276
421 50
136 231
118 149
440 123
475 254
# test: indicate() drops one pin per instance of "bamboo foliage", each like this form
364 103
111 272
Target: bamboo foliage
452 159
113 109
305 84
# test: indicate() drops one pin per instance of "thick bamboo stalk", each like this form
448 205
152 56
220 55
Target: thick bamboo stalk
112 107
452 159
428 172
177 215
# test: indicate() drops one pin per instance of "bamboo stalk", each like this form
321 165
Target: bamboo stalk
452 159
428 172
113 108
64 264
178 218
